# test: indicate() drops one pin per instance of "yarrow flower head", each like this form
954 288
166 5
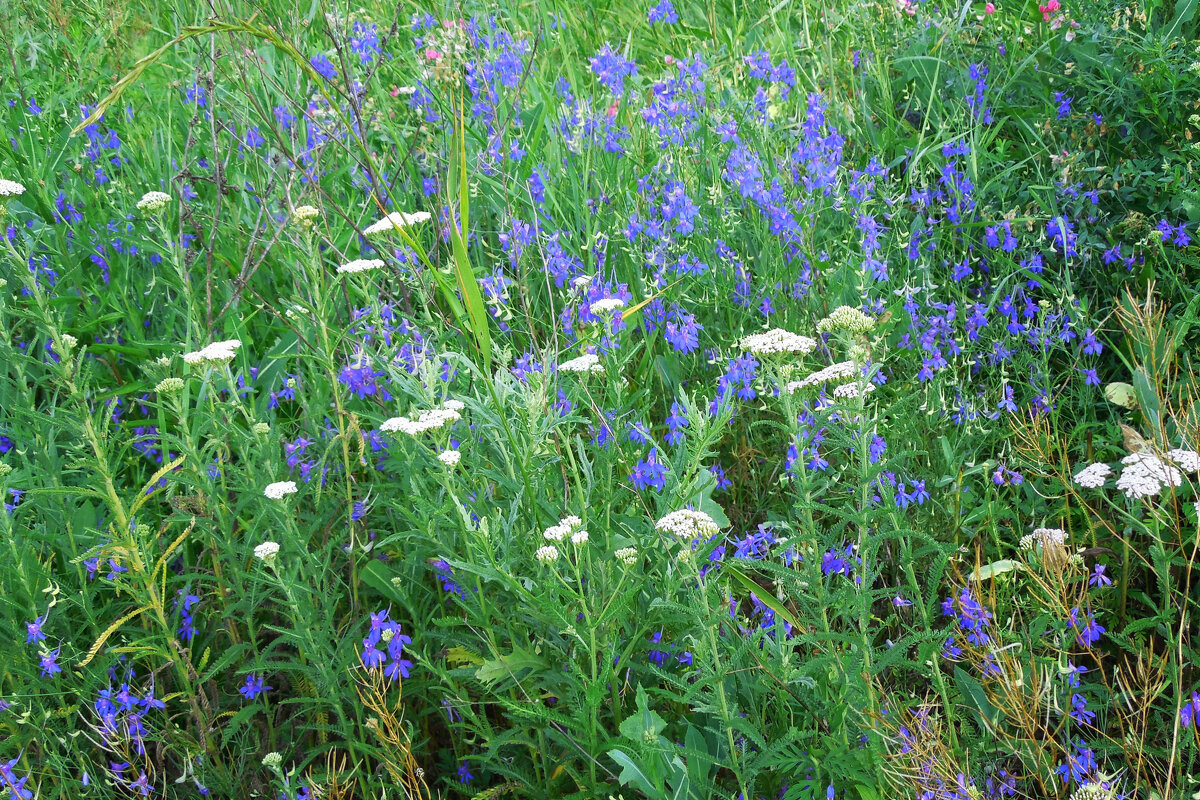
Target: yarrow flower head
11 188
153 202
305 216
1186 460
1093 476
395 220
214 354
267 550
361 265
547 554
566 526
627 556
846 318
427 420
777 340
688 525
450 457
834 372
280 489
1047 538
1145 475
169 386
588 362
607 305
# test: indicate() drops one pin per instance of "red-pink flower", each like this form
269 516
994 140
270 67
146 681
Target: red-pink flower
1048 9
990 8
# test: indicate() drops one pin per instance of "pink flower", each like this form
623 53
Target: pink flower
434 55
990 8
612 110
1048 9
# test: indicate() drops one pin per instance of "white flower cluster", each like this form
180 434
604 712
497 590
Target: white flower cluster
169 386
1145 475
1093 476
547 554
834 372
1046 537
361 265
565 527
280 490
304 216
687 525
1094 791
606 305
266 551
588 362
11 188
627 556
428 420
214 354
849 391
153 202
846 318
777 340
450 457
394 220
1186 460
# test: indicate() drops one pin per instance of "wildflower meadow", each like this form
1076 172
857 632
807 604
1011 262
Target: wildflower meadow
747 399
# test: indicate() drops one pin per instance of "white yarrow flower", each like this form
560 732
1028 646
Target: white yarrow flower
11 188
547 554
579 537
607 305
153 202
266 551
1093 476
1145 475
213 354
429 420
1186 460
450 457
394 220
566 526
588 362
777 340
280 490
1046 537
627 556
849 391
834 372
846 318
361 265
688 524
304 216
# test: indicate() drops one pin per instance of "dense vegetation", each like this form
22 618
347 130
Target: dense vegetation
709 400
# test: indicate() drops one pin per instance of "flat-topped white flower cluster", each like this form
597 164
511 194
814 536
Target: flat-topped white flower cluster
569 526
777 340
395 220
361 265
687 524
588 362
1143 474
1046 537
834 372
846 318
214 354
428 420
280 490
11 188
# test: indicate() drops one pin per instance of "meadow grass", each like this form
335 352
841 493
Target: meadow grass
623 399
